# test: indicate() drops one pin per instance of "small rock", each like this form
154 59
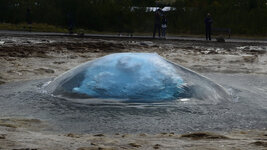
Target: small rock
2 82
220 39
171 134
163 133
134 145
260 143
44 70
71 135
146 43
123 147
156 146
58 62
94 144
72 57
10 59
96 50
142 134
27 42
125 135
2 136
95 148
99 135
25 149
105 148
203 135
87 148
43 40
249 58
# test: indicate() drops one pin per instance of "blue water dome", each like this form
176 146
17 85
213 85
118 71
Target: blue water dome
143 77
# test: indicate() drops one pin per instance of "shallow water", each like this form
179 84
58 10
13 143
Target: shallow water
248 110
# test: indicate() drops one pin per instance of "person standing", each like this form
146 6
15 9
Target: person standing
70 22
157 22
208 23
29 19
164 25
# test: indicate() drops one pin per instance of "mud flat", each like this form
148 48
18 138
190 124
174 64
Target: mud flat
239 67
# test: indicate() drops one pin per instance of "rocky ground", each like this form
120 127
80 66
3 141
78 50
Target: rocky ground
27 134
33 57
24 58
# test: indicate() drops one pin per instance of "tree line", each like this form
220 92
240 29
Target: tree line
248 17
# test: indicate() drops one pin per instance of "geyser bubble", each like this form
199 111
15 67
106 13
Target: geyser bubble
134 77
131 76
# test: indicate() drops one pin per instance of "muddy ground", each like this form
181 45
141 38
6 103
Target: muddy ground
33 57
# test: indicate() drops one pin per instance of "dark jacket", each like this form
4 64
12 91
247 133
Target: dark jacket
29 16
157 17
208 21
164 20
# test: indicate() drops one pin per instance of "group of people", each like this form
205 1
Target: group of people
160 24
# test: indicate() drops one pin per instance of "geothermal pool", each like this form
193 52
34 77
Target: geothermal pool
238 101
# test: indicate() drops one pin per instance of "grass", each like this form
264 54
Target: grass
40 27
37 27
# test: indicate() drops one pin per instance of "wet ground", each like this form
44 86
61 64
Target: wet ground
237 66
246 110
